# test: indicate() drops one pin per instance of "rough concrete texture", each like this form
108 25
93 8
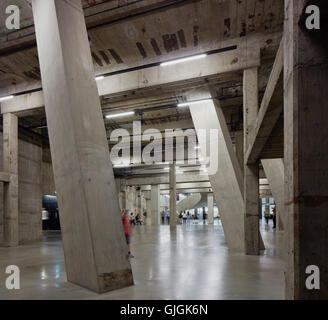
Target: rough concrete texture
30 194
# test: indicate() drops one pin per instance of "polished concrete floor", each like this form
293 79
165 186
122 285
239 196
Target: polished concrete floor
191 263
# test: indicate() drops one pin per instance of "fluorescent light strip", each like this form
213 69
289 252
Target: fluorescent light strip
186 104
6 98
168 63
116 115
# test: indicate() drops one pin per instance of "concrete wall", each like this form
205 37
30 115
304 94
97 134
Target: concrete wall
48 182
30 195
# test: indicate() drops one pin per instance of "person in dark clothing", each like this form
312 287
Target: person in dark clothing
274 216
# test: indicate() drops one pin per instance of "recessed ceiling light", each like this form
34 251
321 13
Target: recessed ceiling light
186 104
123 114
6 98
168 63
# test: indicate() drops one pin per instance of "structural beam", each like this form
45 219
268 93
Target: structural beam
93 238
270 111
246 55
251 171
155 204
173 196
210 208
227 180
306 154
10 167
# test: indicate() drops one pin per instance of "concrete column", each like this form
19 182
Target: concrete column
149 213
155 205
139 201
239 148
93 238
275 171
173 195
10 165
306 150
251 172
210 208
227 181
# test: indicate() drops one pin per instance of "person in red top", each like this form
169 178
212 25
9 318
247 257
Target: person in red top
127 230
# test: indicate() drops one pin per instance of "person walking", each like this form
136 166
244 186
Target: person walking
274 216
184 218
127 231
163 217
168 216
266 215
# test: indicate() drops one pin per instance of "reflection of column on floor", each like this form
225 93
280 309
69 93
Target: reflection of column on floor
155 205
210 208
92 231
306 150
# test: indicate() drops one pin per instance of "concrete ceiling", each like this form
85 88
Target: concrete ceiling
127 34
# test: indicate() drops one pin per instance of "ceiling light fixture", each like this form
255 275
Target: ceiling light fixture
168 63
123 114
6 98
186 104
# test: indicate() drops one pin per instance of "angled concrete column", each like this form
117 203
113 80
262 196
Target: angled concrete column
155 204
306 153
210 208
173 196
92 231
251 172
10 165
239 148
275 173
227 181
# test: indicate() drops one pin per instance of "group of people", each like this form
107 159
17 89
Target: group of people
137 219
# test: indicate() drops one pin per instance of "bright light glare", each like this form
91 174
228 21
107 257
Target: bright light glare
168 63
99 78
116 115
6 98
186 104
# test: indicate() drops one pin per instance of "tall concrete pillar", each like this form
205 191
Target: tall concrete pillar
251 172
173 196
93 238
10 165
210 208
155 205
149 213
227 181
306 150
275 171
138 201
239 148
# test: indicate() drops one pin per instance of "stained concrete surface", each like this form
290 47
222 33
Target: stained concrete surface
191 263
